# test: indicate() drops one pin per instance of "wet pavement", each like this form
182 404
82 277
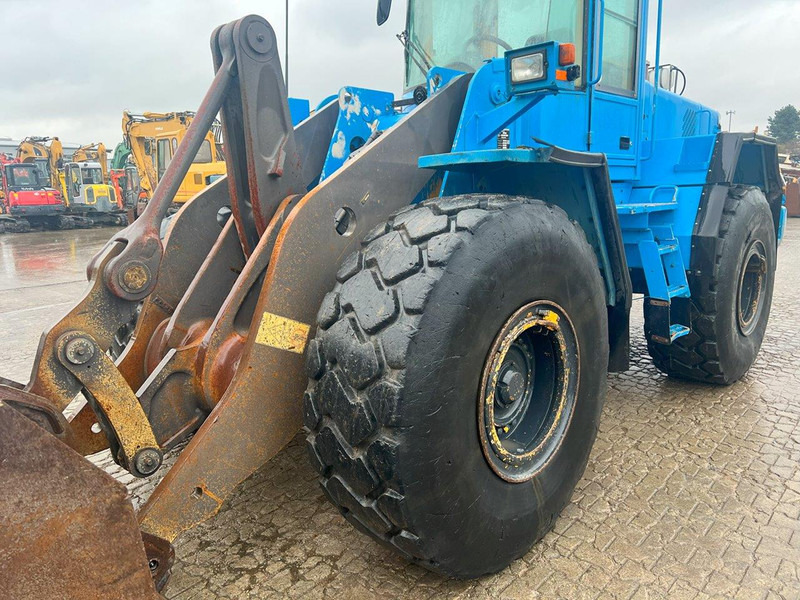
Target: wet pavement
691 491
42 275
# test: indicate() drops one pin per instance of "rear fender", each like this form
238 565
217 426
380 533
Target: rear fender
740 159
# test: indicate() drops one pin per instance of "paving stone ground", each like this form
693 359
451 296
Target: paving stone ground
691 491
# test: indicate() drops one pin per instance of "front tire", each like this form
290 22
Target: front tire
409 353
729 314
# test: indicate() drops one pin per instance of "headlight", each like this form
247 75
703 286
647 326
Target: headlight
530 67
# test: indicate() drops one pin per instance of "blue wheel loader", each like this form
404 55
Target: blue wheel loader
433 285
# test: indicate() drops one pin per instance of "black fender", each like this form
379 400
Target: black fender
738 159
599 190
577 182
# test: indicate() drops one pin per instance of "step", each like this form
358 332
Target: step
679 290
645 207
678 331
667 247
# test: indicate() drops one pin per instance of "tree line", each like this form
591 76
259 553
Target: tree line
784 126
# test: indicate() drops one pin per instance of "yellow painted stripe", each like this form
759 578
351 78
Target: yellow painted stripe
282 333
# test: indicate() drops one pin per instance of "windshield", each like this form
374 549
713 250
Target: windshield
461 35
22 175
91 175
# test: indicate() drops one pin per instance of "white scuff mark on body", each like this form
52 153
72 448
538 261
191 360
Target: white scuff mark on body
354 108
338 148
349 103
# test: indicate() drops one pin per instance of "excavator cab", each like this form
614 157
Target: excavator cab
86 191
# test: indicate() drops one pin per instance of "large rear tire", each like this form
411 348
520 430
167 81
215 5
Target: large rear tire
457 379
730 311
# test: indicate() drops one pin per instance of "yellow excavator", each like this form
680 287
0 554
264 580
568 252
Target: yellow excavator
153 139
93 153
49 158
82 180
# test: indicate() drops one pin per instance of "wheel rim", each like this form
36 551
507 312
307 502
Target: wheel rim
752 283
528 391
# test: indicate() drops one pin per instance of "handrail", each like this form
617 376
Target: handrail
600 41
655 190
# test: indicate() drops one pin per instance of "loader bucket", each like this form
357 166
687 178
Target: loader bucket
67 529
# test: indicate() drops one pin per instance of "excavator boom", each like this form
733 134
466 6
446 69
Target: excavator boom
153 138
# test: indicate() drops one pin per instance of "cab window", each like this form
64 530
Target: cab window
164 155
204 153
620 45
92 175
478 30
23 176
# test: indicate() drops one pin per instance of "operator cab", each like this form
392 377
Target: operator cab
478 31
86 188
22 176
569 73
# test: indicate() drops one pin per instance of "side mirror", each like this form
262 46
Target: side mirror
384 8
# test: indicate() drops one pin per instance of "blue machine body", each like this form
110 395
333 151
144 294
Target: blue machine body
300 109
644 171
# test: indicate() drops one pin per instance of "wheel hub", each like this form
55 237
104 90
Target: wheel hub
750 297
510 389
529 385
513 388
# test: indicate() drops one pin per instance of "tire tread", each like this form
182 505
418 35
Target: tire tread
695 357
356 463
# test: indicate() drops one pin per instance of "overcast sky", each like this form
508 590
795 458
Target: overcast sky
70 69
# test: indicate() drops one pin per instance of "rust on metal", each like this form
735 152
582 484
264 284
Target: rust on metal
135 277
67 529
189 240
98 315
530 317
160 558
114 402
141 240
38 410
260 410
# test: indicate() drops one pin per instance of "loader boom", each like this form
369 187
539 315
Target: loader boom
226 312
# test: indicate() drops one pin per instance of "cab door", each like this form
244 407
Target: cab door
164 155
74 184
615 103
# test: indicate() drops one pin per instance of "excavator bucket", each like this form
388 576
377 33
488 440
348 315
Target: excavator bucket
224 306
